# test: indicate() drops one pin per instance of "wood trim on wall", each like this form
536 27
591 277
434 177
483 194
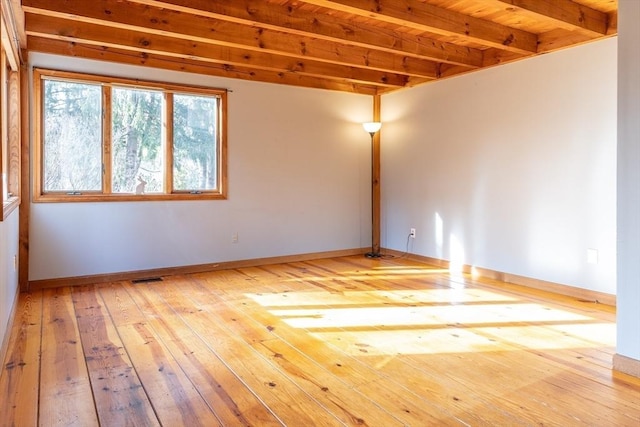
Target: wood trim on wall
375 179
556 288
107 143
167 127
542 285
10 130
626 365
189 269
25 189
8 34
14 131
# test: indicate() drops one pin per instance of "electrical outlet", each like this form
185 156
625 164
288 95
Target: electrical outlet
234 238
412 233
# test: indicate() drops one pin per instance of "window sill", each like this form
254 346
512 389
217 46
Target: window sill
88 197
9 206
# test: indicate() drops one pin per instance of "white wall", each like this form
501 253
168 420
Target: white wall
8 274
298 183
511 168
628 309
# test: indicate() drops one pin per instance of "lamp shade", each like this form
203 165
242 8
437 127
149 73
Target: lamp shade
372 127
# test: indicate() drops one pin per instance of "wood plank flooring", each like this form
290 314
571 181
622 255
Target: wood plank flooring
334 342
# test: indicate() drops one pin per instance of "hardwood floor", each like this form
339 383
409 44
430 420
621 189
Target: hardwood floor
344 341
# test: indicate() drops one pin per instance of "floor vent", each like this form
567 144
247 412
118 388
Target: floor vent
147 280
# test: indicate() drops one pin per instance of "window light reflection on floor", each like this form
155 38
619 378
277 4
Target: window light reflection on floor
426 316
408 297
380 274
392 322
452 340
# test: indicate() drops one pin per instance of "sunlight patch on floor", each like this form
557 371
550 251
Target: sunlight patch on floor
428 296
365 276
428 316
456 319
453 340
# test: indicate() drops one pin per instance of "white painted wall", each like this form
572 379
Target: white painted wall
8 275
511 168
298 182
628 307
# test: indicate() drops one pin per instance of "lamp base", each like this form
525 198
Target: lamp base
373 255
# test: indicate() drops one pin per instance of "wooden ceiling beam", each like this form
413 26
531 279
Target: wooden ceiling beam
565 13
368 46
494 57
314 25
612 23
121 56
143 18
82 32
437 20
560 39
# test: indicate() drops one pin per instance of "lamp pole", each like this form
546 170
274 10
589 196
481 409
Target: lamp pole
372 128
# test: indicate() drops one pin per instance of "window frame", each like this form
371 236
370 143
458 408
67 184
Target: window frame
10 129
107 83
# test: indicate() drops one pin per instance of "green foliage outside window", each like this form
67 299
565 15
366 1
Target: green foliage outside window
143 141
136 138
194 131
72 137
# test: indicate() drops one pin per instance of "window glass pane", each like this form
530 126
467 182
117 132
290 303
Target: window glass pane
103 137
72 136
4 167
138 156
194 142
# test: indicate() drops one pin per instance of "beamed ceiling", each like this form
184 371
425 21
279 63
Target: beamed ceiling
363 46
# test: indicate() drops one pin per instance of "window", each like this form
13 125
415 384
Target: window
9 136
104 138
4 166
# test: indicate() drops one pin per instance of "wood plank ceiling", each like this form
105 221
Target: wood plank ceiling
363 46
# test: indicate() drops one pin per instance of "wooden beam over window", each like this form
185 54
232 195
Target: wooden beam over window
73 31
104 53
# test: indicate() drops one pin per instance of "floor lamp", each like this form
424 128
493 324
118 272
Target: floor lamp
372 128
